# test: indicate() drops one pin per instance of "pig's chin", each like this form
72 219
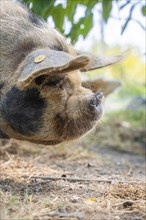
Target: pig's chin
72 128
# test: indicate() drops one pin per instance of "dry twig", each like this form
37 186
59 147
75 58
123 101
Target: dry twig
78 215
85 180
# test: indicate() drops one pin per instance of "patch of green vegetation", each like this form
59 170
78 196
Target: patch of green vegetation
132 89
134 118
13 199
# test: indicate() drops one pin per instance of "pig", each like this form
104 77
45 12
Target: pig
42 97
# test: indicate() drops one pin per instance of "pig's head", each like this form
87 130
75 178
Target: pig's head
42 98
48 103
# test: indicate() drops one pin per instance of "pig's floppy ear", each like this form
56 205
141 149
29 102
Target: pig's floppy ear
97 62
106 86
47 62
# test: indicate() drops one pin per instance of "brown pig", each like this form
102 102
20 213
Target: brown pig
42 98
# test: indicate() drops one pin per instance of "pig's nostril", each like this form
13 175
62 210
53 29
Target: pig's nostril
97 99
99 96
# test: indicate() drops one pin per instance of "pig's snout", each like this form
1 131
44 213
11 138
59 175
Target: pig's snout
95 106
97 99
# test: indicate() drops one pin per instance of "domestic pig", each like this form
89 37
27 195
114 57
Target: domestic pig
42 97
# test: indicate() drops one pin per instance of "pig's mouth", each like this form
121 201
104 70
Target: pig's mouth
70 128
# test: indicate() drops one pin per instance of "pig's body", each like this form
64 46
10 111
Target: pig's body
42 98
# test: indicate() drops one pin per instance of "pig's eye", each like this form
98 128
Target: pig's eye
40 80
56 82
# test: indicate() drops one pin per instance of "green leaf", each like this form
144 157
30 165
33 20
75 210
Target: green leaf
144 10
84 2
40 8
58 16
70 9
88 23
47 11
83 27
106 9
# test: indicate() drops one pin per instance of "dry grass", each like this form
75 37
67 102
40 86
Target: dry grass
24 198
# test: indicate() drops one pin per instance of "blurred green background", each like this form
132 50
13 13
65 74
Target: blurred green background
107 27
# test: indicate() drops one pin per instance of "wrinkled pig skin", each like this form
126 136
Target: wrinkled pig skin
42 97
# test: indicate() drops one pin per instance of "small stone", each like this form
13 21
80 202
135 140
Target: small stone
75 199
116 218
127 204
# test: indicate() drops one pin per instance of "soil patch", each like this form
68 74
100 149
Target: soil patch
114 153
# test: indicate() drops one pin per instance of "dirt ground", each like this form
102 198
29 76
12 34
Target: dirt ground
109 165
